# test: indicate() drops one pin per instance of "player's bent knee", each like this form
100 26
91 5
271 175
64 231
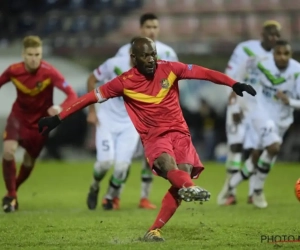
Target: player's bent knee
165 163
9 150
236 148
102 165
273 149
185 167
28 161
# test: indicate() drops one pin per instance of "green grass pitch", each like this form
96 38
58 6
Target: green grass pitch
53 213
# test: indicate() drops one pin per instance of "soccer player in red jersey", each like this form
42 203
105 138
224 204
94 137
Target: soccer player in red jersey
151 94
34 80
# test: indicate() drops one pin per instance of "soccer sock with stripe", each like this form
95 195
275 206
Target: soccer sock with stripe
100 170
117 180
170 203
241 175
264 166
233 164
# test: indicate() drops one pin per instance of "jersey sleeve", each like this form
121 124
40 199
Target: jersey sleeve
238 57
111 89
103 71
59 82
190 71
5 77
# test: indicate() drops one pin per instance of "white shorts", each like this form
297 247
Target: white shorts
235 132
261 133
118 145
251 140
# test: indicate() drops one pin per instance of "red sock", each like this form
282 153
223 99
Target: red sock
179 178
23 175
9 176
169 205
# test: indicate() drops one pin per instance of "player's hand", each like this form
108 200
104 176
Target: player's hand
54 110
46 124
92 118
239 88
283 97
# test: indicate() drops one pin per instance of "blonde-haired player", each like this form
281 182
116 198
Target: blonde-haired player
34 80
235 122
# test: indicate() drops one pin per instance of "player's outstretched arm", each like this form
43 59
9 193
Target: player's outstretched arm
184 71
46 124
111 89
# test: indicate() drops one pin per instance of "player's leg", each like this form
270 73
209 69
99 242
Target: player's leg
161 157
248 167
125 146
146 183
105 155
250 142
33 143
272 139
25 169
9 201
235 138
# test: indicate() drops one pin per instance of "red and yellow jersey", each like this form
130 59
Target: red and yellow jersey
153 103
35 91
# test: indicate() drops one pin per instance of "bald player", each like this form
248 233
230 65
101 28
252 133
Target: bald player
151 96
149 27
235 119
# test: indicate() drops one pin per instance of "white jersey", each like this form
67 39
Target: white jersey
240 67
242 52
114 109
249 73
164 52
272 80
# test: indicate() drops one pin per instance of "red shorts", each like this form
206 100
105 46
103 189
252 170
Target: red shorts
176 144
29 138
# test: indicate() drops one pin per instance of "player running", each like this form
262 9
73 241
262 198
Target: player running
149 27
271 117
34 80
151 94
235 118
116 137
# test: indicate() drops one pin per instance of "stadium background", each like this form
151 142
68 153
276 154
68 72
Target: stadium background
80 34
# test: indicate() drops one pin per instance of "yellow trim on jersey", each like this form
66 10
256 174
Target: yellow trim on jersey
153 99
32 92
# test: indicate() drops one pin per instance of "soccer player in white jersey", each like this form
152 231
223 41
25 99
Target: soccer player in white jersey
235 120
149 27
270 117
116 137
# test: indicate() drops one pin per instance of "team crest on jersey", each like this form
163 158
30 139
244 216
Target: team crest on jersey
165 83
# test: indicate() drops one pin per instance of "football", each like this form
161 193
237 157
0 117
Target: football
297 189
